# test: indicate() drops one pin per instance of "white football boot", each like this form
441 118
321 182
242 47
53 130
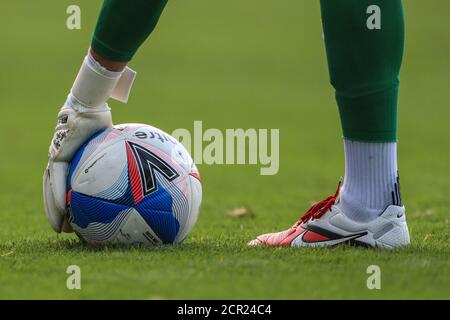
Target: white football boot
324 224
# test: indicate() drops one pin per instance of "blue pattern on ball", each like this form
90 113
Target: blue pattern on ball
156 209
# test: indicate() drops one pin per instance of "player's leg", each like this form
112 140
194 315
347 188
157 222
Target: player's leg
121 28
364 43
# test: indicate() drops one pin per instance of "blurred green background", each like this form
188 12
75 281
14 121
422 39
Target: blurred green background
231 64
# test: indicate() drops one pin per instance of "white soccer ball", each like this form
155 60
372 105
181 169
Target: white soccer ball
133 183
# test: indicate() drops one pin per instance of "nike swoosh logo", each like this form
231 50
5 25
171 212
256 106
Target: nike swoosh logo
325 238
330 242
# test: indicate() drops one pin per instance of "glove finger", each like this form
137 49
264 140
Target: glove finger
55 193
58 177
51 210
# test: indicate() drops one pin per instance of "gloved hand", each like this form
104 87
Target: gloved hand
84 113
75 125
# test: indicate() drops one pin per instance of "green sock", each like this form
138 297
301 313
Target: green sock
364 43
124 25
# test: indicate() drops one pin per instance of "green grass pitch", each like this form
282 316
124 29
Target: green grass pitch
231 64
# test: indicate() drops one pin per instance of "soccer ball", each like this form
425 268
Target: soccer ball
133 183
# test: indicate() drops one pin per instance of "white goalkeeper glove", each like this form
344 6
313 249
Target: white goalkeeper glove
84 114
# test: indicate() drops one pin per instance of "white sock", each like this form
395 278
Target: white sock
371 179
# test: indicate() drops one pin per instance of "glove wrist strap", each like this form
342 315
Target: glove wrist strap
94 84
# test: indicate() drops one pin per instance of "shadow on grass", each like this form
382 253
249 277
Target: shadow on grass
192 246
73 245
